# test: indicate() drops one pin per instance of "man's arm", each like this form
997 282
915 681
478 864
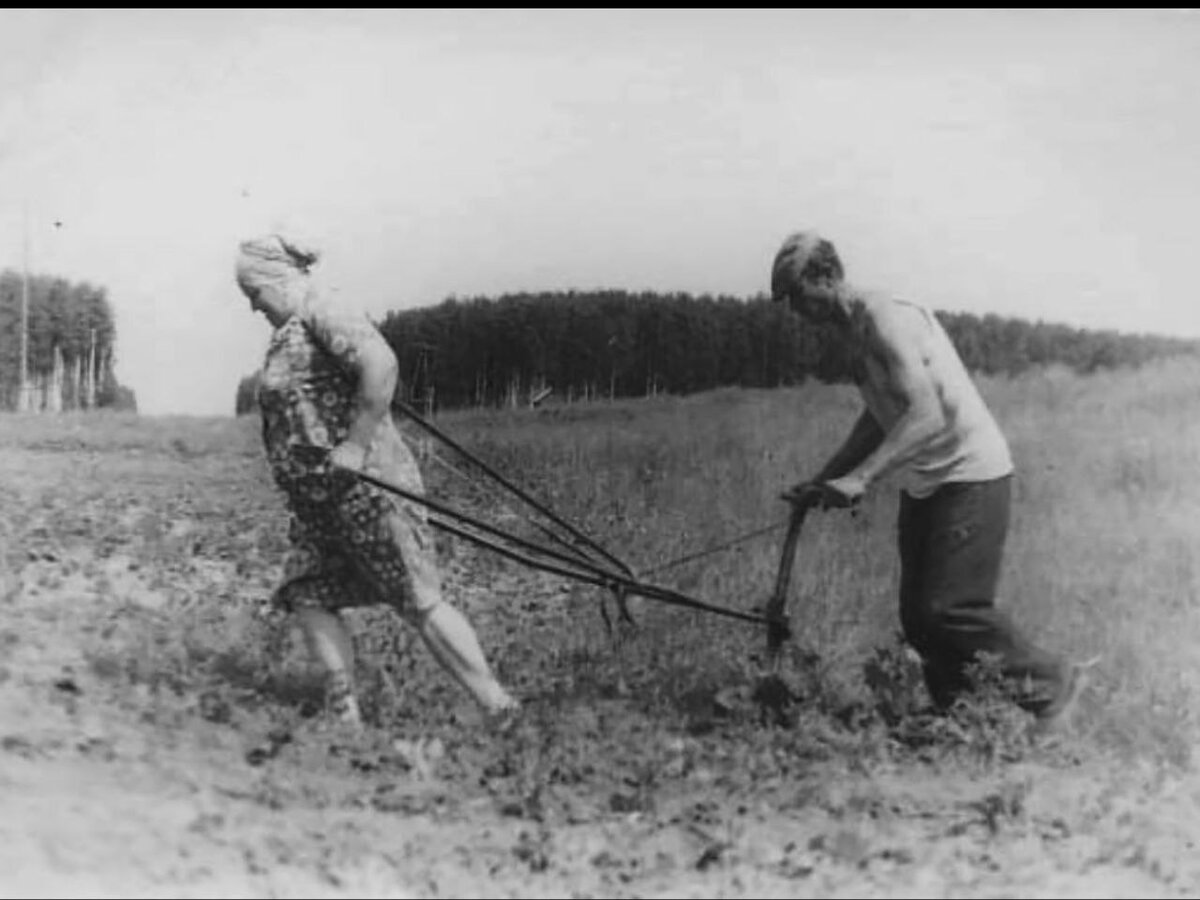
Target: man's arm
864 438
903 354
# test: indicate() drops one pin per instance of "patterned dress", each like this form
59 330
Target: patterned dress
352 544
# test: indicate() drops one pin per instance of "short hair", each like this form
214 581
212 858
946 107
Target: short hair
805 256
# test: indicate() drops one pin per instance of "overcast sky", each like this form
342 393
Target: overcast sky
1034 163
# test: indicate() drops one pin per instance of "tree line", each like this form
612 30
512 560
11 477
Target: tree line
70 350
577 345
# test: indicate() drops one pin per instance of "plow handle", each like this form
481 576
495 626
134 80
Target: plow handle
778 629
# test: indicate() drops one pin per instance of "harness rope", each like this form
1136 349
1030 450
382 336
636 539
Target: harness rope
500 479
600 567
716 548
562 564
642 573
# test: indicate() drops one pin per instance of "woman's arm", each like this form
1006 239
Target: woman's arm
359 346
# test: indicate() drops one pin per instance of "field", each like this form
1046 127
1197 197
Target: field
162 735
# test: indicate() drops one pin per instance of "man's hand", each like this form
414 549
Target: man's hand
348 455
846 491
837 493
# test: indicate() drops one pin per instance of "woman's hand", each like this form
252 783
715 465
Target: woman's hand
349 455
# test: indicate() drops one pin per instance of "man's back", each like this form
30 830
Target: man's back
970 446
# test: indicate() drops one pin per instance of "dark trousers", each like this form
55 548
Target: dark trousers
951 548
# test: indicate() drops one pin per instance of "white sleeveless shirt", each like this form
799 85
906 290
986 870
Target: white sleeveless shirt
970 446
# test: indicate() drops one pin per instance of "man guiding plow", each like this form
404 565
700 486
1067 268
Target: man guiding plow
924 418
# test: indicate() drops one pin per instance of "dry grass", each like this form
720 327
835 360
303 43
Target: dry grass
141 550
1102 556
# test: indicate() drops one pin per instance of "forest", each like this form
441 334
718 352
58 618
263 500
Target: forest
531 348
70 351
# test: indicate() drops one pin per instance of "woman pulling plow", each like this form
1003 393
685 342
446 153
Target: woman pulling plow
325 394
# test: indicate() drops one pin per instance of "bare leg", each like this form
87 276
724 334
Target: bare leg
401 563
454 644
329 642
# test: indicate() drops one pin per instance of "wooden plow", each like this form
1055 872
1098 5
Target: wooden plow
578 557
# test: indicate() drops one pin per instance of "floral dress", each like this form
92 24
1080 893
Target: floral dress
352 543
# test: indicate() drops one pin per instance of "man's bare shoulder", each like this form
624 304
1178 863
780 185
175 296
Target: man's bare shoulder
891 320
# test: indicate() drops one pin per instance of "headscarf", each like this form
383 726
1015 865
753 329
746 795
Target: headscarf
278 263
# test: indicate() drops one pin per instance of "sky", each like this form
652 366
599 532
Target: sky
1033 163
